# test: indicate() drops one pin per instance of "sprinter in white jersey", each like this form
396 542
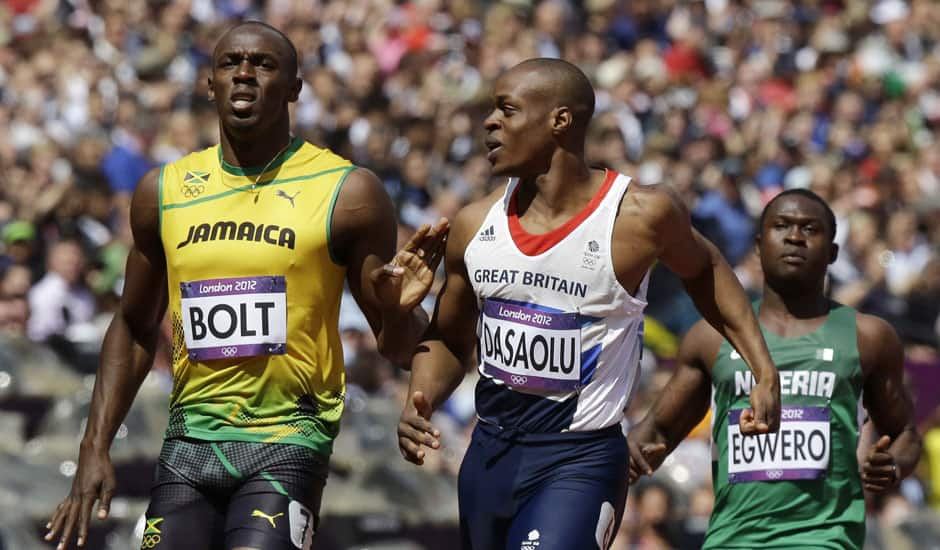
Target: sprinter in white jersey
546 279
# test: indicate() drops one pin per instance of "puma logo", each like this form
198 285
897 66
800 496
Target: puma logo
259 514
281 193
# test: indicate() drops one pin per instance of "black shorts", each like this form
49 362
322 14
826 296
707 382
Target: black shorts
227 494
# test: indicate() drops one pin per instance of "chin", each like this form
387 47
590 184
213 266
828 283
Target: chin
242 124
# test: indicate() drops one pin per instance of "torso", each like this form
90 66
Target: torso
559 336
254 297
770 489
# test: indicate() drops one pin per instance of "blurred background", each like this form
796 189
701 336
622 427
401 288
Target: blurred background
729 101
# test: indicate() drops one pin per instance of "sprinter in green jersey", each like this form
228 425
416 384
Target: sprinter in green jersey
800 487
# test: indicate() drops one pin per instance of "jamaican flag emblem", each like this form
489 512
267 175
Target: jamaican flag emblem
194 183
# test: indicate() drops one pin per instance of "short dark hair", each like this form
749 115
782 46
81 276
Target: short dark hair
294 57
830 215
569 86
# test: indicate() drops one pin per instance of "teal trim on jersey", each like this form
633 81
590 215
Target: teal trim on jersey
275 483
292 148
329 217
228 465
160 199
249 186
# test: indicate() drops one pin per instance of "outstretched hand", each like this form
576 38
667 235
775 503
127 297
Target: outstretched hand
880 471
764 414
406 280
415 429
94 480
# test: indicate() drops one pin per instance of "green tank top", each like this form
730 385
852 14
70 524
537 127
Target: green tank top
800 487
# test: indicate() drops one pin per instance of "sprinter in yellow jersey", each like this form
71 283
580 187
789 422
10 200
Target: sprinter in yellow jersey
248 245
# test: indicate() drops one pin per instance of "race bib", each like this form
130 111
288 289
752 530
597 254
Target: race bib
798 450
238 317
531 349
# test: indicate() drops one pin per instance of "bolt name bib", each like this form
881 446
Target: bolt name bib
798 450
237 317
529 348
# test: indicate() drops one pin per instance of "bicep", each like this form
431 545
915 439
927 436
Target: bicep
682 249
688 252
455 315
886 399
144 296
365 233
687 395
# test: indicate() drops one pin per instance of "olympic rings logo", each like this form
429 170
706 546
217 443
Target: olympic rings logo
192 191
229 351
774 474
150 541
518 380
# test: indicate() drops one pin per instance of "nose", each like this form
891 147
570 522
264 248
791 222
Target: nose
794 236
491 123
246 71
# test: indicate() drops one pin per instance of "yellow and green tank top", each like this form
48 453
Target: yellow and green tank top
254 297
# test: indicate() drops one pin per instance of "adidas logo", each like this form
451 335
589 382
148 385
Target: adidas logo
488 234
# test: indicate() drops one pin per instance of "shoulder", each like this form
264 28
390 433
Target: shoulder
362 181
658 206
877 340
470 217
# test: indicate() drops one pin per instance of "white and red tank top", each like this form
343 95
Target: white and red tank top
559 337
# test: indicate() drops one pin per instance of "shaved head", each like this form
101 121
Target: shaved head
563 84
261 27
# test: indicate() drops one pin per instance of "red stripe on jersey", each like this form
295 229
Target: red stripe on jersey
533 245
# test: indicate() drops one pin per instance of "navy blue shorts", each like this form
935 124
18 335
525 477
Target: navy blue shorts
542 491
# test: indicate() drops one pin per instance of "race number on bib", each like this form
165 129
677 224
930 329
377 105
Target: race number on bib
238 317
798 450
528 348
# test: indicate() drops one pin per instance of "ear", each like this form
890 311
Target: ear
295 90
757 244
562 119
211 90
833 253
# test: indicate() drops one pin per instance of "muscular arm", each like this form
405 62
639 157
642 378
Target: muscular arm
717 294
681 405
686 398
888 402
128 348
364 234
439 364
126 357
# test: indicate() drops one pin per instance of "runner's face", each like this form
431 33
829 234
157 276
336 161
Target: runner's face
251 80
518 130
794 242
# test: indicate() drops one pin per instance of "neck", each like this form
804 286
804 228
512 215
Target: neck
565 185
251 149
797 304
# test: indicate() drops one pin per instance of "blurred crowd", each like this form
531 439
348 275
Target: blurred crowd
728 101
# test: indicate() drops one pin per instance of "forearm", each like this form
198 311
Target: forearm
674 418
125 362
905 449
399 335
436 372
721 300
